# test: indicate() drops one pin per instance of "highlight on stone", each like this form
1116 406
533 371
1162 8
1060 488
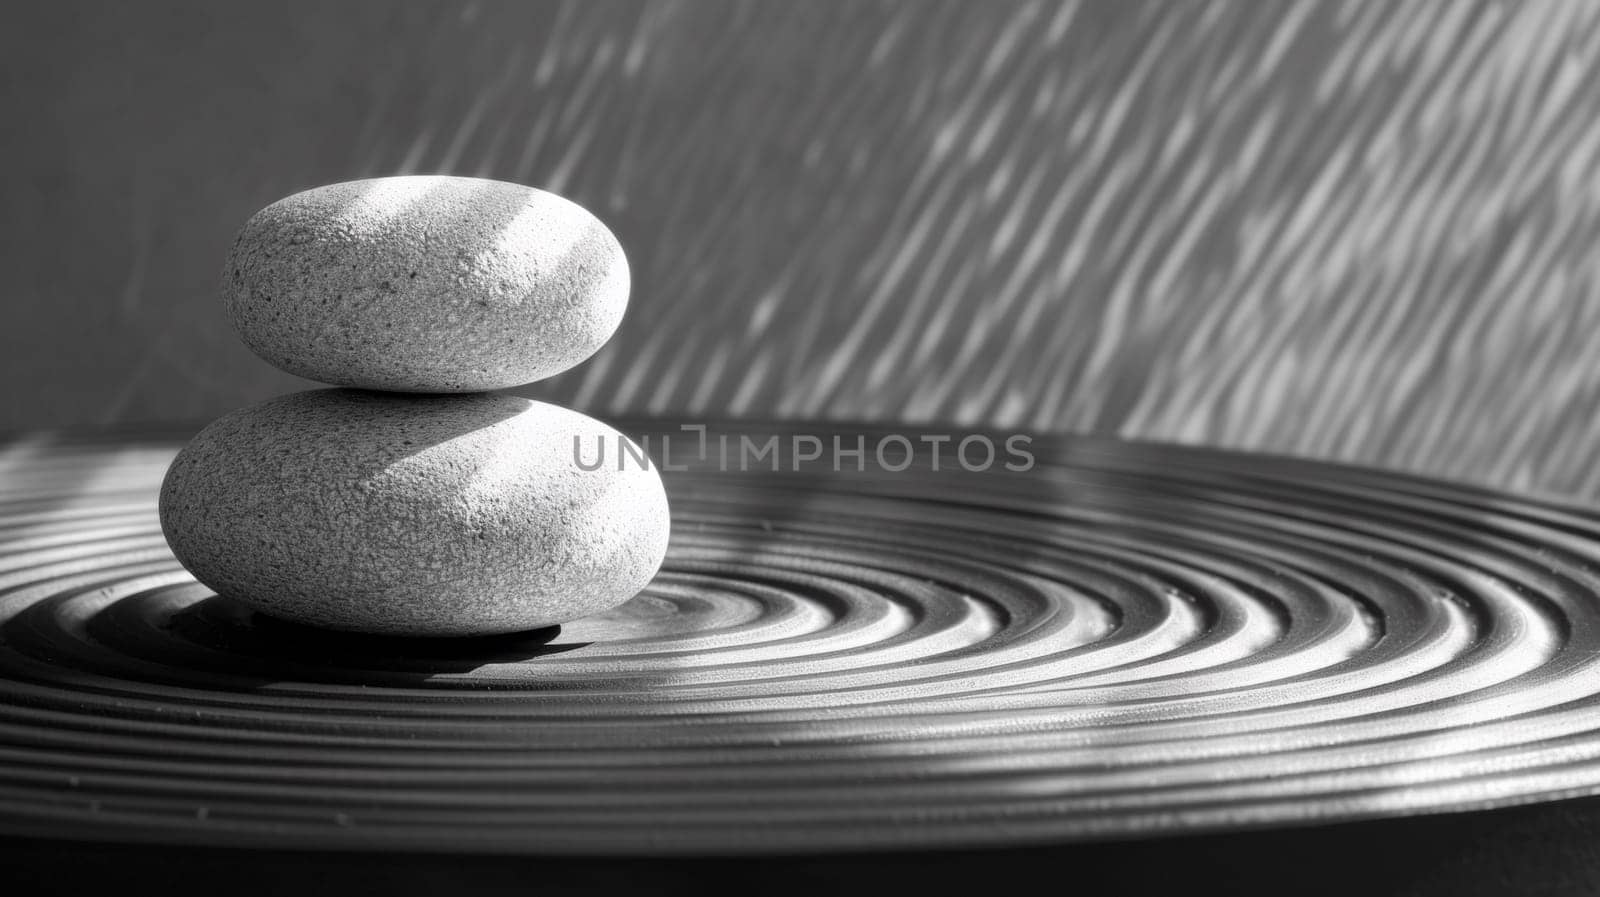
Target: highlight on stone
383 510
425 284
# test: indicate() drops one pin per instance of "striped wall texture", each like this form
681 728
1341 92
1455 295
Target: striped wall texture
1365 231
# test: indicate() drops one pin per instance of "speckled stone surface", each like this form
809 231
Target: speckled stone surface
416 515
425 284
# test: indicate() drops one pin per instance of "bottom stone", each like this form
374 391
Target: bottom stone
415 515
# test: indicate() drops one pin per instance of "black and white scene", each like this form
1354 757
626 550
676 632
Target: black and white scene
800 447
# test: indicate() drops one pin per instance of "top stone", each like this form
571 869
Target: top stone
425 284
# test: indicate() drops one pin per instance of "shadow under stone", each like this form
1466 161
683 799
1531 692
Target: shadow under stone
234 639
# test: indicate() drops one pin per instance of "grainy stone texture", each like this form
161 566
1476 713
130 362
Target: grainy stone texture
417 515
425 284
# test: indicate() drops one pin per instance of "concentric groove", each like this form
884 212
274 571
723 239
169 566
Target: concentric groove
1126 639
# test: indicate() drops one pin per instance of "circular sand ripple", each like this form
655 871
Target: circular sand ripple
1125 639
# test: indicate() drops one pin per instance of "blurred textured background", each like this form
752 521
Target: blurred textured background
1365 231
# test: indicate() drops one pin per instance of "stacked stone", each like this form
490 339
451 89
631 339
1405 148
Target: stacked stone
414 501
